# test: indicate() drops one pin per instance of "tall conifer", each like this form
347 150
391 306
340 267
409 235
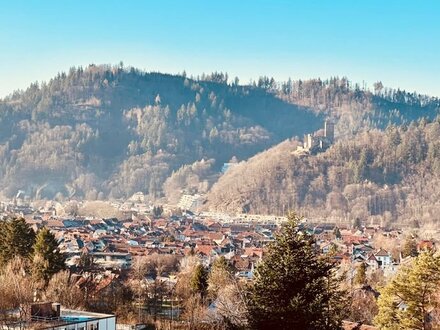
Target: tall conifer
47 258
294 287
16 239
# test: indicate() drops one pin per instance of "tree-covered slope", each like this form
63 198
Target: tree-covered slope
379 175
112 131
109 131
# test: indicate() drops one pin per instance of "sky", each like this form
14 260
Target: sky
396 42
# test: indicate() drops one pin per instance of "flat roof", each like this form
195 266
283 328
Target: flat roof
76 316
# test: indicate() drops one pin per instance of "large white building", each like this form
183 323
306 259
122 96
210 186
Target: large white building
191 202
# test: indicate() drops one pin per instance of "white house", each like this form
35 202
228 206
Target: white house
384 258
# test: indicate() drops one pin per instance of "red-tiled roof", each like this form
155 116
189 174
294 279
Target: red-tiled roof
204 249
54 223
258 252
425 245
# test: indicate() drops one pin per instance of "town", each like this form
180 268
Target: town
225 165
165 236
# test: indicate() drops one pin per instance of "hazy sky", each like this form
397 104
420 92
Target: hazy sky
397 42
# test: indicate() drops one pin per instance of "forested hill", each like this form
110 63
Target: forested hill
109 131
383 176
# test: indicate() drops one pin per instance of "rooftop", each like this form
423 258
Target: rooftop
48 315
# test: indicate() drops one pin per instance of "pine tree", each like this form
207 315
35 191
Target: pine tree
405 303
294 287
47 259
16 240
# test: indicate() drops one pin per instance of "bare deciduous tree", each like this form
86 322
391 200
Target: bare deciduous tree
17 290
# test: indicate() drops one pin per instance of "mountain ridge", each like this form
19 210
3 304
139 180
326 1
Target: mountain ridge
110 131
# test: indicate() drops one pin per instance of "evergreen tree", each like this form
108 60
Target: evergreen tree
361 276
157 211
407 301
199 281
16 239
47 259
357 224
409 248
294 287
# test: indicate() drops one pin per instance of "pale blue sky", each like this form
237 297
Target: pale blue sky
396 42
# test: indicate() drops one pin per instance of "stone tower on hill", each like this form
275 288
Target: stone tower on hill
329 131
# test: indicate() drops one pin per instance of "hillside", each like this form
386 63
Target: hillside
384 176
109 131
